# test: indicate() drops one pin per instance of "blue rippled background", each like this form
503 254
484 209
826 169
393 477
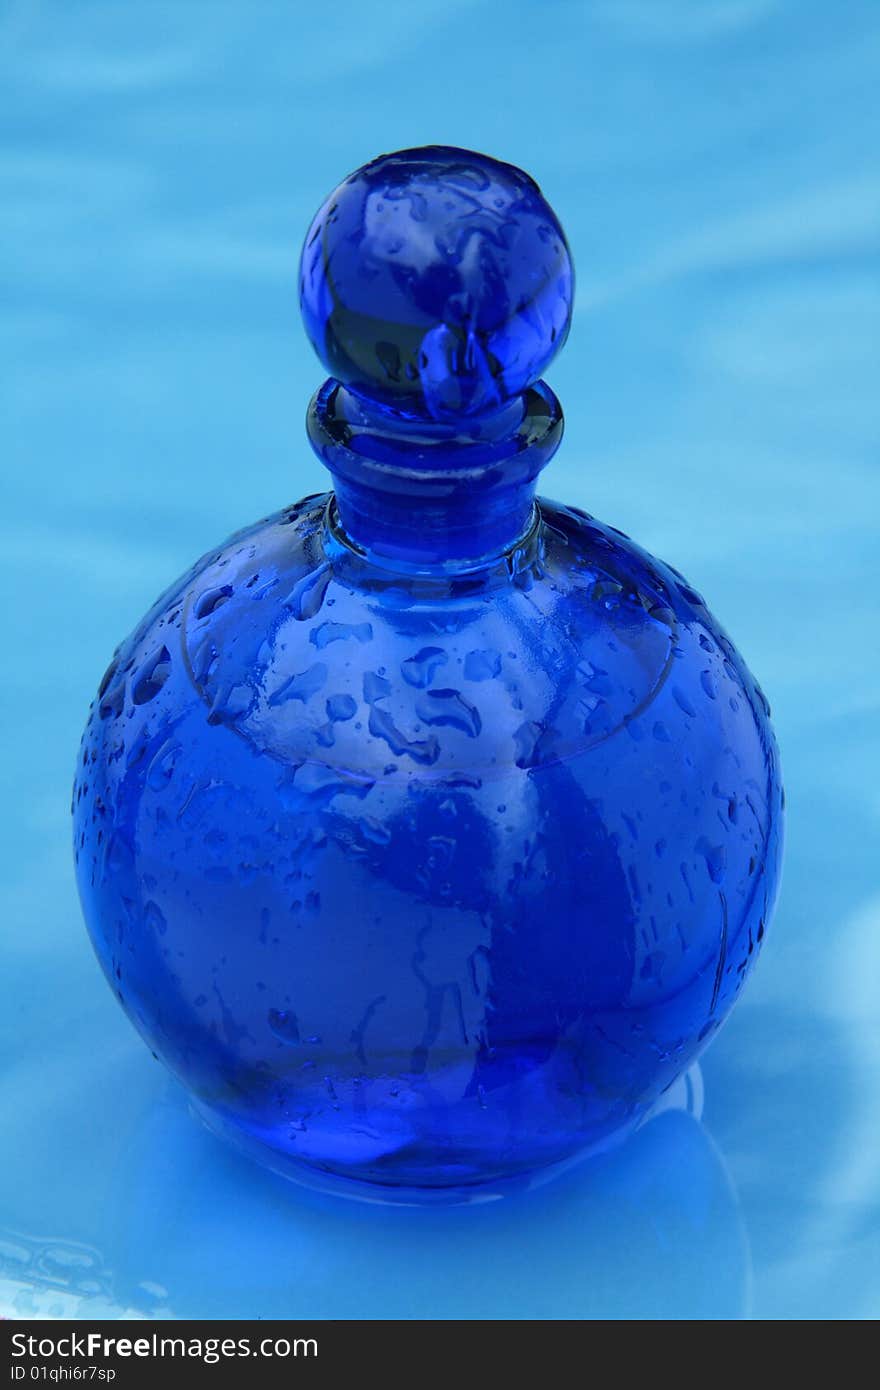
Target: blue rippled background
715 163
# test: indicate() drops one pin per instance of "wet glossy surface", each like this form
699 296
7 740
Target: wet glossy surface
428 882
425 830
721 170
437 280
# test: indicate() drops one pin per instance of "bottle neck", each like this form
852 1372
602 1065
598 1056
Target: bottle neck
432 495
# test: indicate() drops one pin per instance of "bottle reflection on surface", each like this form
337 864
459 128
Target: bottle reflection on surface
652 1230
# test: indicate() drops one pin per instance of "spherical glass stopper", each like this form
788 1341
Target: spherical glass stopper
436 281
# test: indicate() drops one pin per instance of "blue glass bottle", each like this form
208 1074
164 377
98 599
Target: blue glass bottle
426 830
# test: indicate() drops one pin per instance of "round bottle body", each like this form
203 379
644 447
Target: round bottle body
419 883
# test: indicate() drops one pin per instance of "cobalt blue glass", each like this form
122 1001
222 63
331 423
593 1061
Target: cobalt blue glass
428 830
